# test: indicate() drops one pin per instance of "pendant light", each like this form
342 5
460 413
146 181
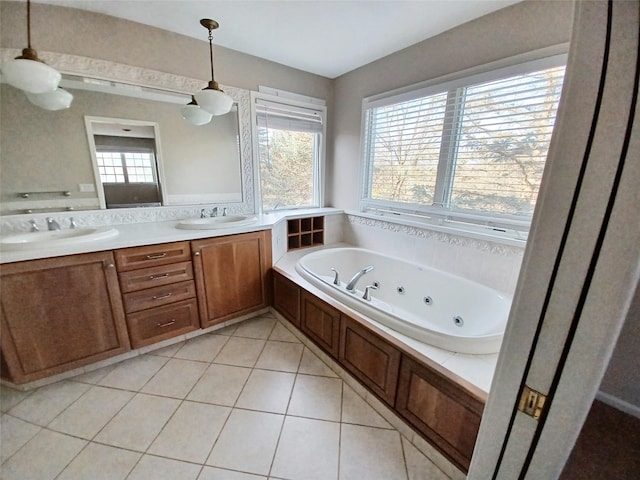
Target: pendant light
27 72
59 99
194 114
211 98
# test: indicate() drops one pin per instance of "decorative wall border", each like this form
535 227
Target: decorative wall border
459 240
118 72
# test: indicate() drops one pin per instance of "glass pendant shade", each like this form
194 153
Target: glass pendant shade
32 76
195 115
214 101
58 99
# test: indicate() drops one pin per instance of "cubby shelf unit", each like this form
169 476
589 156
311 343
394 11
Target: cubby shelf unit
305 232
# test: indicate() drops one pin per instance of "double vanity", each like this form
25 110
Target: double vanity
71 297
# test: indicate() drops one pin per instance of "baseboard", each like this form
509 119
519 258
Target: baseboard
619 404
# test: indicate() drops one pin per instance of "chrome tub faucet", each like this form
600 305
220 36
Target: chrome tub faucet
351 286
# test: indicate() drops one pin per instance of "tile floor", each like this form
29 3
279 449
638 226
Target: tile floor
248 402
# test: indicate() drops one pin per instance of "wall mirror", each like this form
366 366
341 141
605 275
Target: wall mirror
49 159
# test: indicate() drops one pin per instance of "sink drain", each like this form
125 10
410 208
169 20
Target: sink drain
458 321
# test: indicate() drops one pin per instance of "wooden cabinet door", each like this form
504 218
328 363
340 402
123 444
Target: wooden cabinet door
232 275
286 298
321 323
60 313
443 412
370 359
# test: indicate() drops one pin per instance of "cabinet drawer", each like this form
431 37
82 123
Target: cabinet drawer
154 297
155 276
152 255
161 323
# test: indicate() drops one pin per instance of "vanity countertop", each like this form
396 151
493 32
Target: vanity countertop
151 233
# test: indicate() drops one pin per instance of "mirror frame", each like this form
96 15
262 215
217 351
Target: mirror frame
118 72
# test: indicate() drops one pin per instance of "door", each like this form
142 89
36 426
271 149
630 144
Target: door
60 313
582 261
231 275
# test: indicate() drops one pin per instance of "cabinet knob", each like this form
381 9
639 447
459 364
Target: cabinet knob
196 254
110 265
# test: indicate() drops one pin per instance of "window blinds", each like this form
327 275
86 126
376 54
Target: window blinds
477 147
280 116
502 142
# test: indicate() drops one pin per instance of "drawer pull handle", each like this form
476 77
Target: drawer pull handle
160 297
156 257
168 324
155 277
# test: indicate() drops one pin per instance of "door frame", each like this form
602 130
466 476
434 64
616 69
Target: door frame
582 263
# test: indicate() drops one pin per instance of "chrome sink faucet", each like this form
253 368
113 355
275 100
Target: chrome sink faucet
351 286
52 224
213 213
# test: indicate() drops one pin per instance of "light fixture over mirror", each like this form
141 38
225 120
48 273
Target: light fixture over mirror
211 98
27 72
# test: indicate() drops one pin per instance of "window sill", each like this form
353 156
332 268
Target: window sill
479 232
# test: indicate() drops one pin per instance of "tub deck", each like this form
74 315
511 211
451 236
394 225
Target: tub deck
474 371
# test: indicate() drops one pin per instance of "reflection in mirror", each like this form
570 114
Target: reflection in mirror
49 154
126 162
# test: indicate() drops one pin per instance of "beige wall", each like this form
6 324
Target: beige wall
78 32
622 378
523 27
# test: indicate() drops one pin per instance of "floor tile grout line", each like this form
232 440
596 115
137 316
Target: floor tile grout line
293 386
231 409
184 399
404 458
45 427
91 440
28 394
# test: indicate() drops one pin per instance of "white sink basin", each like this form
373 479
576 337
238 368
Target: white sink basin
227 221
56 238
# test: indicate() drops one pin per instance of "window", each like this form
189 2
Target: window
290 151
471 149
128 171
126 167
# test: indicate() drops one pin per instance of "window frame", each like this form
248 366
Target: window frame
123 151
319 167
455 218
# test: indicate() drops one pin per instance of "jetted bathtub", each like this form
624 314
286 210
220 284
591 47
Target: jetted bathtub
429 305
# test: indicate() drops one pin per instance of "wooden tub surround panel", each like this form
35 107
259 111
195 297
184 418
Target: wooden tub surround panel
444 409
